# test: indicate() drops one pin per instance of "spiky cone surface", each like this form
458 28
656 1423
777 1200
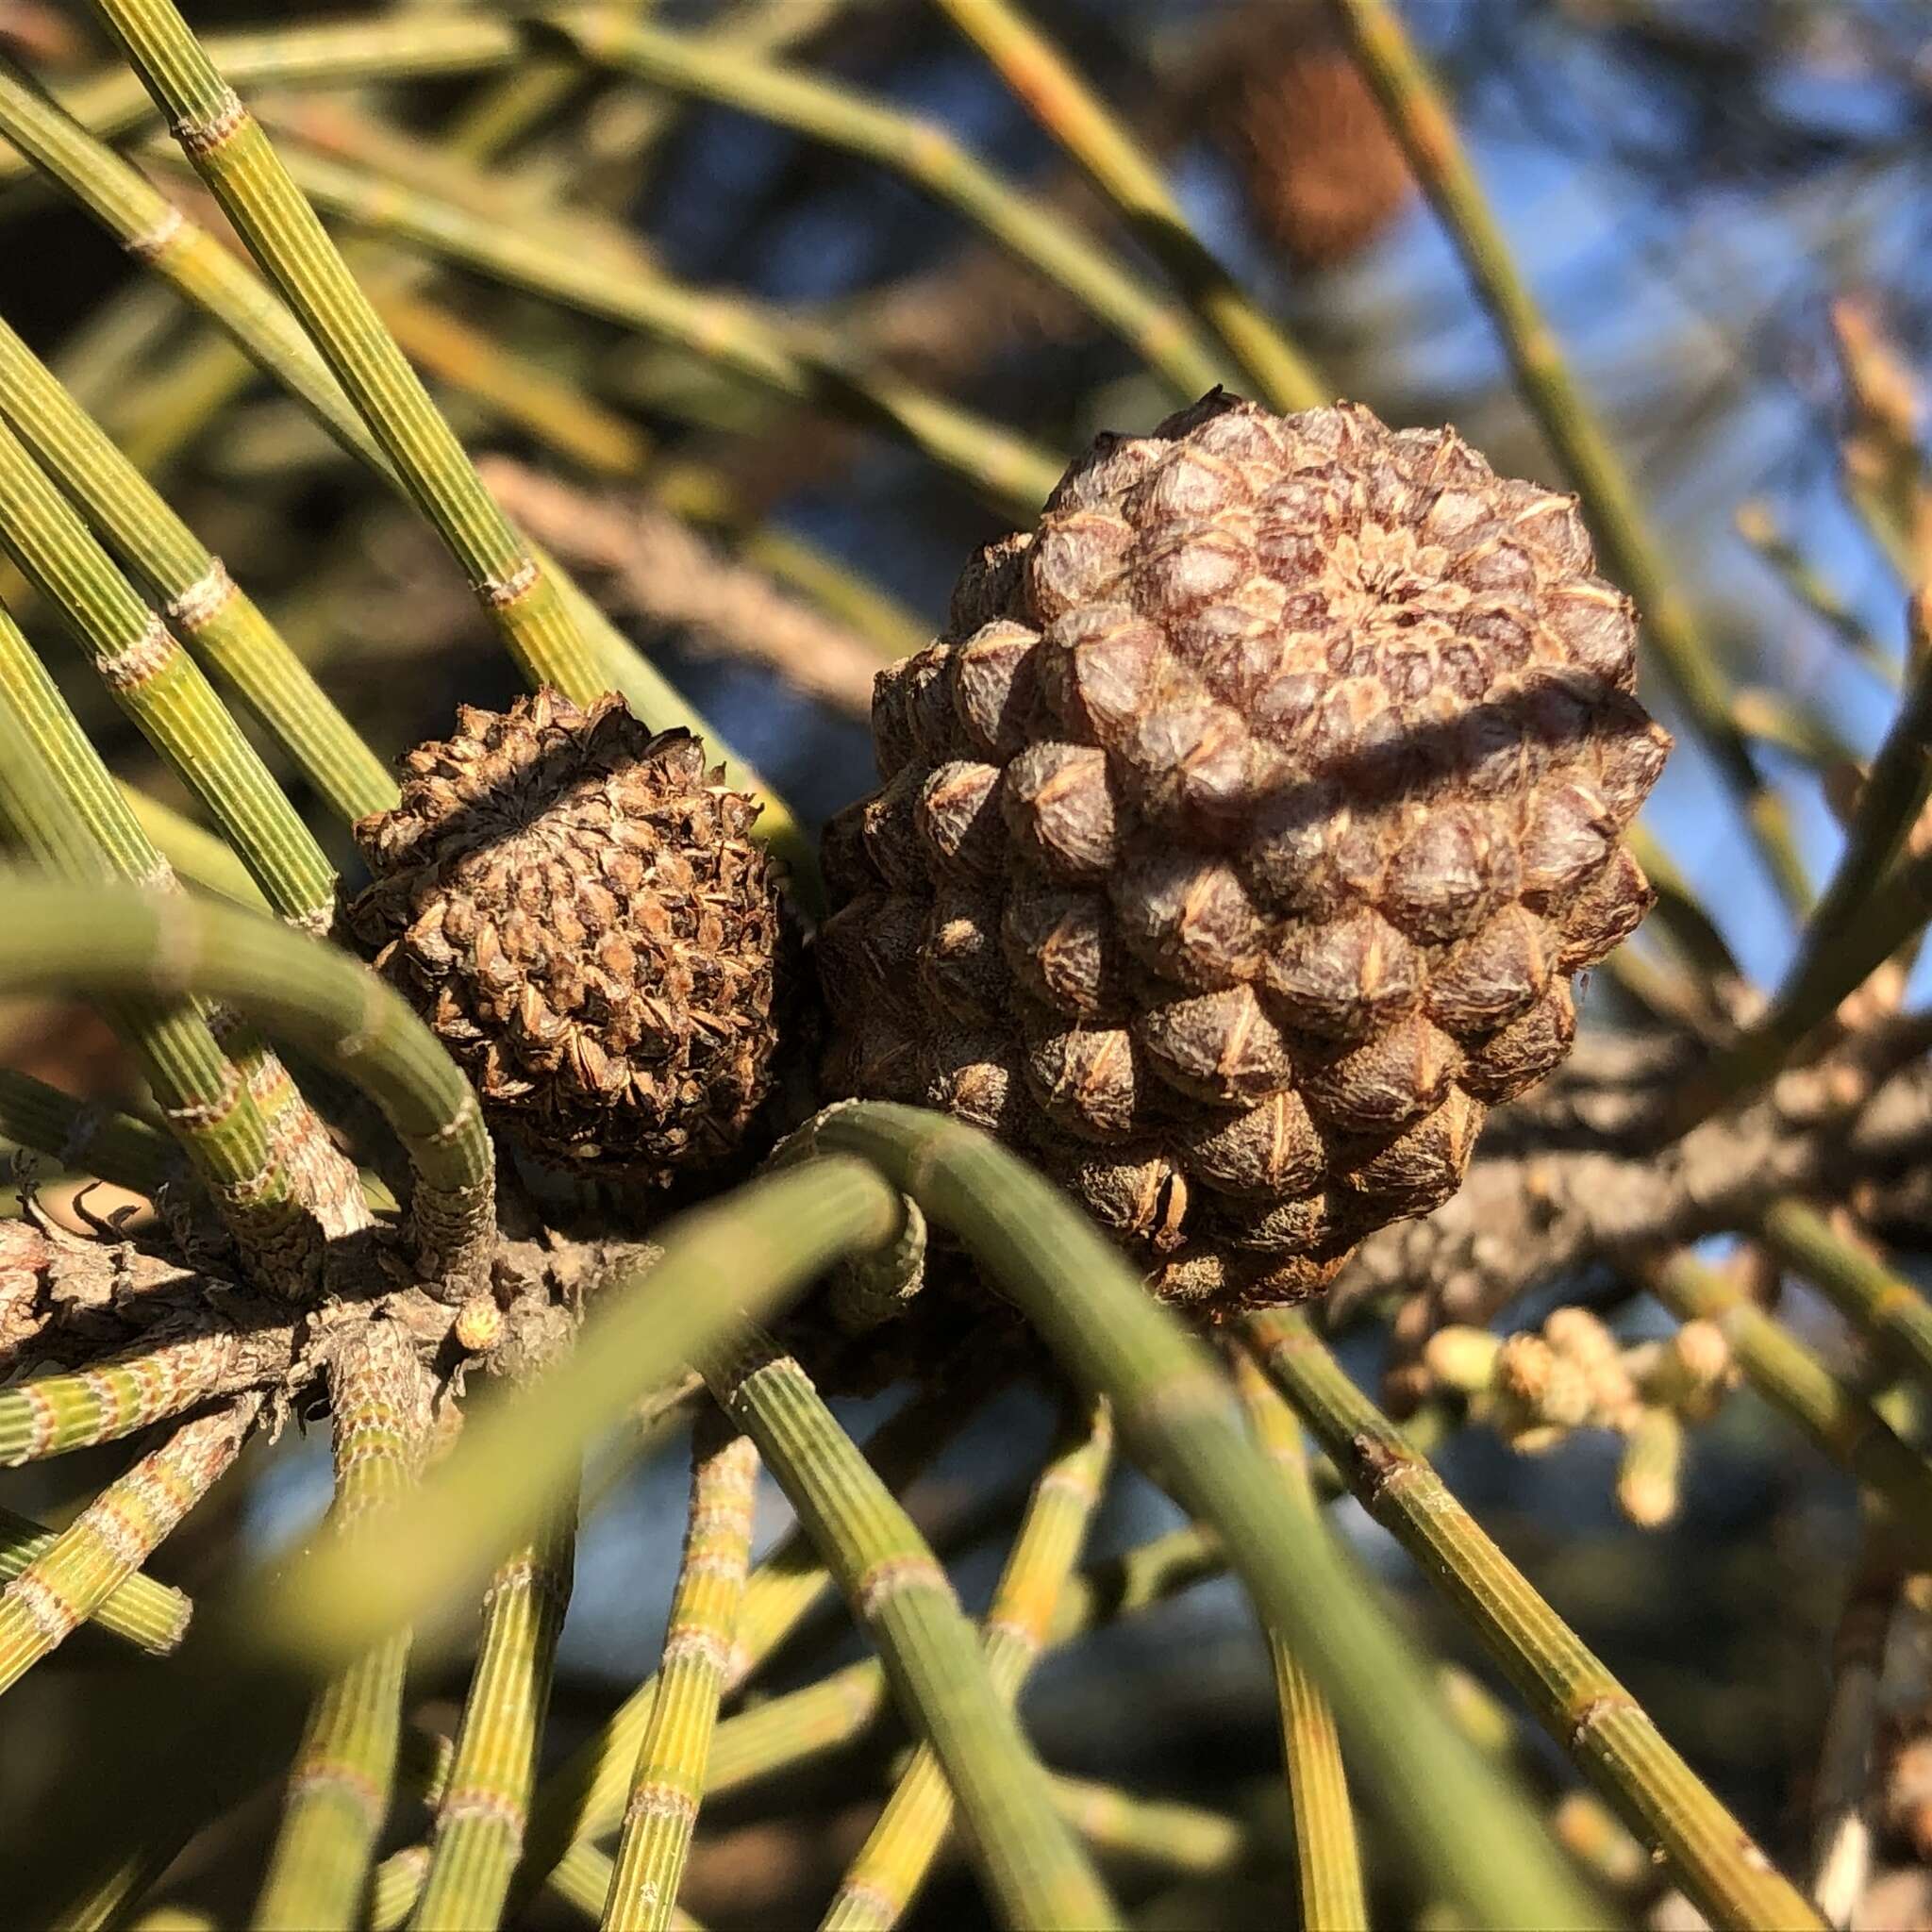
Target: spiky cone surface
1323 173
576 907
1241 833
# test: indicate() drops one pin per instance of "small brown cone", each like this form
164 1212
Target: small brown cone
577 909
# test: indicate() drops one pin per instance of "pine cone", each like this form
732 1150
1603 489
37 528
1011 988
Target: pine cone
1240 833
1324 175
577 909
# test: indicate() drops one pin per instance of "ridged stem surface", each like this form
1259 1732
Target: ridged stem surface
1420 121
241 168
85 1135
236 300
338 1785
718 1264
151 1616
584 1797
161 688
60 802
217 619
882 1881
900 1597
1470 1833
661 1811
1328 1858
483 1811
168 1375
108 1541
1574 1697
67 939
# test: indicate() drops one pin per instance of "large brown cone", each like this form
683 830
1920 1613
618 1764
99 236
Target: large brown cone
1241 833
577 909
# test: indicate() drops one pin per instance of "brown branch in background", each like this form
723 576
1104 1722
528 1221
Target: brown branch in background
1570 1179
666 574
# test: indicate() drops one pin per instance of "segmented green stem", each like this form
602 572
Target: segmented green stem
420 45
485 1805
161 688
661 1811
1156 1831
234 298
227 149
1791 1378
587 267
883 1880
718 1262
152 1616
62 1587
1056 97
195 855
112 941
56 1414
216 619
1420 121
1468 1831
84 1135
338 1787
902 1599
1574 1697
923 152
1861 1288
585 1797
1327 1859
56 796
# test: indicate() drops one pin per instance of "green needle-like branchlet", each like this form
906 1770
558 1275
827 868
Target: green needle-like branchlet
338 1787
152 1616
1573 1695
485 1803
1073 115
66 939
58 802
585 1797
420 43
587 267
1472 1835
234 159
1792 1377
114 1536
882 1881
1827 969
1421 120
167 1375
1879 1303
719 1263
218 621
236 300
84 1136
1327 1859
161 688
902 1599
661 1811
925 153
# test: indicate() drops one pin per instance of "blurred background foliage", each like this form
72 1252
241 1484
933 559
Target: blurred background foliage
1725 208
